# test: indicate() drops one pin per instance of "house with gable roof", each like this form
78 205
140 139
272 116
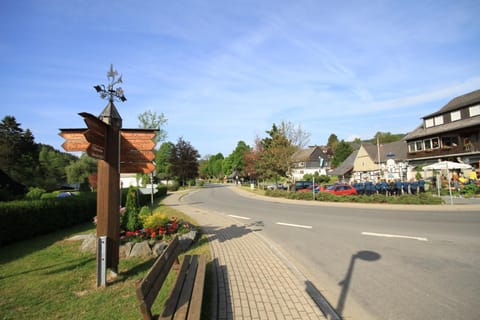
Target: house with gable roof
309 161
451 133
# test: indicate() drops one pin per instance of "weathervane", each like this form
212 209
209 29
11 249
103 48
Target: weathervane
110 92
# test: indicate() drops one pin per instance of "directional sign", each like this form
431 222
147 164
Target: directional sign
144 145
75 145
75 140
138 134
94 124
134 155
95 135
136 167
96 151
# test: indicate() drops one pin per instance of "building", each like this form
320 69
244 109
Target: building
371 162
314 159
452 133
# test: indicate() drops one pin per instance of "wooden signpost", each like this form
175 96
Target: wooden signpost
117 151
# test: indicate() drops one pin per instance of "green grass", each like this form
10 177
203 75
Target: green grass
49 278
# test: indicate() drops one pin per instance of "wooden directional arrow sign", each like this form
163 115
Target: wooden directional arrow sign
144 145
74 139
136 167
95 135
138 134
134 155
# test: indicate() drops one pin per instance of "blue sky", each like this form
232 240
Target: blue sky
225 71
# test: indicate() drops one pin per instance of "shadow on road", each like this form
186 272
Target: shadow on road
345 283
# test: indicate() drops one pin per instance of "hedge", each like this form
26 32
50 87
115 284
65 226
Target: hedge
24 219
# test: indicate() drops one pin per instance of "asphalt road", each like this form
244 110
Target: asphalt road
370 262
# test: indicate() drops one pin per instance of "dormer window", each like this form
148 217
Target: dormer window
438 120
455 115
428 123
474 110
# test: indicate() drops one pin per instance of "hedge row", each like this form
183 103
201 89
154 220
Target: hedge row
24 219
375 198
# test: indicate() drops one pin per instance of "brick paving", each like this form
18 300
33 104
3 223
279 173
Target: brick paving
252 281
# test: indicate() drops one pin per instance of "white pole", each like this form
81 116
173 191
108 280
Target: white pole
449 186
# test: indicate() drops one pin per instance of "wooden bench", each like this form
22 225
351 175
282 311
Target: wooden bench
185 300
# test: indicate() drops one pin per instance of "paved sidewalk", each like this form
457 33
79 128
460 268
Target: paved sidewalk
252 281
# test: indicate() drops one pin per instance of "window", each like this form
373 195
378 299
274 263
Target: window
474 110
418 146
438 120
432 143
455 115
428 123
428 144
411 147
449 142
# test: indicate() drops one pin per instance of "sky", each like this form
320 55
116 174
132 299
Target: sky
225 71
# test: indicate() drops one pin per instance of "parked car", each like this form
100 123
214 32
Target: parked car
310 189
300 185
341 189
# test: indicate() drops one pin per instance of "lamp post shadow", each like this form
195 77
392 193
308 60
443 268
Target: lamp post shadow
345 283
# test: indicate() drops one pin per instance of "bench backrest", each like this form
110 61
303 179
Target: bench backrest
148 288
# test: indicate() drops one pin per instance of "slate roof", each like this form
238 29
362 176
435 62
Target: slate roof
396 150
420 131
346 166
459 102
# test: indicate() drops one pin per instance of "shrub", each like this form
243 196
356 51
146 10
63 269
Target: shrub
35 193
155 220
24 219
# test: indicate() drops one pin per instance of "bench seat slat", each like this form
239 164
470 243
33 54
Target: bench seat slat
172 302
194 311
187 288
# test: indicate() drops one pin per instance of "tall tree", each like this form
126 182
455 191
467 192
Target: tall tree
276 157
332 140
236 160
151 120
341 152
386 137
297 136
162 159
18 151
79 171
184 160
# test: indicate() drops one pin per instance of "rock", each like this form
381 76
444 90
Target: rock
141 249
125 249
187 239
158 248
89 244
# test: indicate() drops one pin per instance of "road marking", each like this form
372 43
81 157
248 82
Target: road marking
239 217
294 225
393 236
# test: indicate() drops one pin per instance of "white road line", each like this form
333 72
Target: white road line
294 225
393 236
239 217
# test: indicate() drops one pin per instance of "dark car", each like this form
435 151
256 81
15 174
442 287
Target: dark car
299 185
341 189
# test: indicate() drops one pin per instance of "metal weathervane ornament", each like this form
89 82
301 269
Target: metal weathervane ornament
110 92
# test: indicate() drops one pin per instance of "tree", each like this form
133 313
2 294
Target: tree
162 159
184 161
296 135
276 154
18 152
80 171
341 152
151 120
386 137
236 160
332 141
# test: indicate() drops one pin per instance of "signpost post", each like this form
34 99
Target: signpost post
117 150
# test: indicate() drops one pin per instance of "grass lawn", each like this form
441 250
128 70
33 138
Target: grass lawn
49 278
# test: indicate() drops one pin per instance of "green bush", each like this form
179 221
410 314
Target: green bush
24 219
35 193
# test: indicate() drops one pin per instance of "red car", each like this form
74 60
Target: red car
341 189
